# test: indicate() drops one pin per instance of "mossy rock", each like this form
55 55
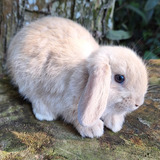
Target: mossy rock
22 137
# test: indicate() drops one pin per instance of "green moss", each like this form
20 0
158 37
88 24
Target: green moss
154 80
13 156
35 142
154 62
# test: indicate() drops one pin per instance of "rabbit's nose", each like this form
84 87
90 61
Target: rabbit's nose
136 105
139 101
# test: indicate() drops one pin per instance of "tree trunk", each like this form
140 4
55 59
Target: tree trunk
95 15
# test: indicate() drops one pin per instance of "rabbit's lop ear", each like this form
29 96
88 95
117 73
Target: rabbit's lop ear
93 100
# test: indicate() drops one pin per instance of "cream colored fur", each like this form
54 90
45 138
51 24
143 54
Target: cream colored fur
61 69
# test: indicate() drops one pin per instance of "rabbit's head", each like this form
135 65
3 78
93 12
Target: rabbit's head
116 85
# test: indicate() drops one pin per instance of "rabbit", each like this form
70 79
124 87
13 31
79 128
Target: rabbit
60 68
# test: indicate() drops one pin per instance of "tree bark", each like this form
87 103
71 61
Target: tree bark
95 15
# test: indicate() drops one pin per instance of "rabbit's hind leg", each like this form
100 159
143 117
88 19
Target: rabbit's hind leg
42 111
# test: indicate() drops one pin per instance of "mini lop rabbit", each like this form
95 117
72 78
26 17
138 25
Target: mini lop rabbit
61 69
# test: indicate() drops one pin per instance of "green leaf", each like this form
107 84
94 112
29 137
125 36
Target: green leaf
149 14
138 11
151 4
118 35
150 55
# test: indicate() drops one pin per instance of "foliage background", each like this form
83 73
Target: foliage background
141 20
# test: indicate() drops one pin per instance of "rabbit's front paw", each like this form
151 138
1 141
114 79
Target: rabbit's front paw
114 122
94 131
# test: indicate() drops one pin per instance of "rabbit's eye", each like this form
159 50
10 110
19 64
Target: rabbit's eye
119 78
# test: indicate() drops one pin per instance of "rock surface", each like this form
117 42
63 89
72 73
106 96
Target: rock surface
24 137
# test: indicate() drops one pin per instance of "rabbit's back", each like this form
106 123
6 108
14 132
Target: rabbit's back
63 38
48 51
